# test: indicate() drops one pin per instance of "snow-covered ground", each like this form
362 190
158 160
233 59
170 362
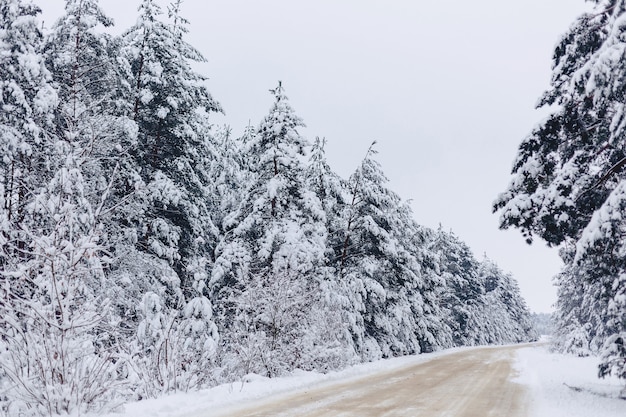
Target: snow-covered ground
567 386
559 385
254 387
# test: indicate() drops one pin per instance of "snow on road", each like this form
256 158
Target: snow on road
253 388
525 380
469 383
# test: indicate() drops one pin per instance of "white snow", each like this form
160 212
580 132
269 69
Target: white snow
559 386
567 386
254 387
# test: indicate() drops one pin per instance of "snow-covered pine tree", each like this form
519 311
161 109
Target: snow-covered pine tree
229 174
506 318
64 358
570 168
174 236
558 173
27 103
482 304
379 261
601 264
171 105
576 325
344 301
331 191
462 291
88 72
266 276
62 327
420 283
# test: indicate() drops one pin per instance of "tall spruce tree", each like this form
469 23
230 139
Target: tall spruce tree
506 318
27 103
228 175
600 261
572 330
27 100
341 295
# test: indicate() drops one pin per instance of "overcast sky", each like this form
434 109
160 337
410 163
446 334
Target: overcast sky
447 88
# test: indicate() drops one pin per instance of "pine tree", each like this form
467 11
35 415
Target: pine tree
378 259
229 174
571 335
171 107
28 101
66 325
266 274
481 304
173 233
421 283
462 290
343 299
563 171
506 318
601 263
568 172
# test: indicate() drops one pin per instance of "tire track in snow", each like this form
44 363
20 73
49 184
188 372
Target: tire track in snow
473 383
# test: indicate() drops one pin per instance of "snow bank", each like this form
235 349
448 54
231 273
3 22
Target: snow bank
567 386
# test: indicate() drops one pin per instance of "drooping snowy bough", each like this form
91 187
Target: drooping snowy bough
568 184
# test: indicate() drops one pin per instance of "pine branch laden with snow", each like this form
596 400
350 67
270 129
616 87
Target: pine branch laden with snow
175 153
567 185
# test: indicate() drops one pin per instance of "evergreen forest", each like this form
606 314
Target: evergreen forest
145 250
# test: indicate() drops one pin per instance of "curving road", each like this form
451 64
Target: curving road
473 383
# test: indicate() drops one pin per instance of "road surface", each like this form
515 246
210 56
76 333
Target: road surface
473 383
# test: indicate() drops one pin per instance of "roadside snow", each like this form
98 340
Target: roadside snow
567 386
559 386
254 387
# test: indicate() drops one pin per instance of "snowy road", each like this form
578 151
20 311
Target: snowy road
470 383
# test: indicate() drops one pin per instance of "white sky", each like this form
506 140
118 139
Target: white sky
447 89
